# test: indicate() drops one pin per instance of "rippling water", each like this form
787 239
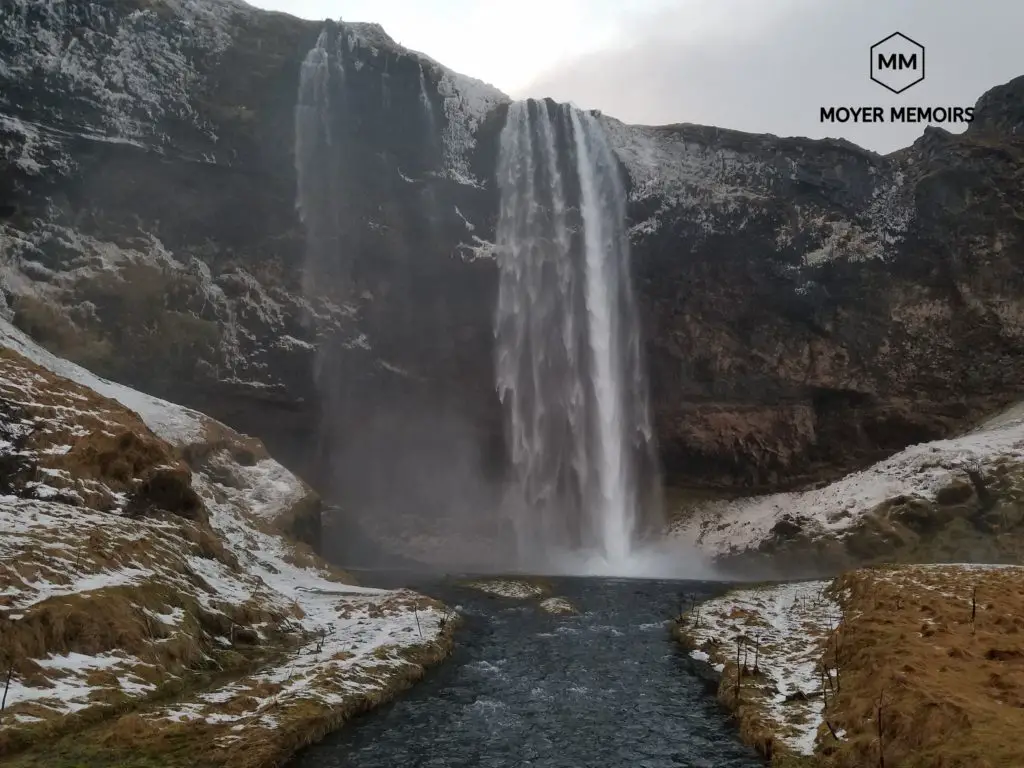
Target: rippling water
605 689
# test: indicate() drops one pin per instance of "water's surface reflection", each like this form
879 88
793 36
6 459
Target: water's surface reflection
608 688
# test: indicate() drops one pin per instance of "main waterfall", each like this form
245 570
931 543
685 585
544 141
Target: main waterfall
569 363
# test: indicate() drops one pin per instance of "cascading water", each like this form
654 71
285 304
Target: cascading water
569 364
426 103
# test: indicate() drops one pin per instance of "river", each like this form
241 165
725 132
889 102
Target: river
603 689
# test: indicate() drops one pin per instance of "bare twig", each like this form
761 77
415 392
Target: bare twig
417 615
7 686
974 608
881 745
739 669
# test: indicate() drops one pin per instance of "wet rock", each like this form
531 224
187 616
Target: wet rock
558 606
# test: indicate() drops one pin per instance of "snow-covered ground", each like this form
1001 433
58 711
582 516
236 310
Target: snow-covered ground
785 628
347 639
919 471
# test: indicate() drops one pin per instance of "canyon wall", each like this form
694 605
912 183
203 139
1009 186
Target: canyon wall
808 306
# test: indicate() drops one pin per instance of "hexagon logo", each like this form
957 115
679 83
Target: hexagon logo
897 62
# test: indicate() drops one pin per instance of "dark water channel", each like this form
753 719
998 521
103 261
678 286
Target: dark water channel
607 688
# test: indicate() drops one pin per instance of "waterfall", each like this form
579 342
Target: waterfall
426 103
314 166
569 364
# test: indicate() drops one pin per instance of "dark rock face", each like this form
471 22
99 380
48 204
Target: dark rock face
814 307
150 232
809 306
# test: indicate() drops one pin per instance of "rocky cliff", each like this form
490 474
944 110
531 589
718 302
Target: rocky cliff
809 306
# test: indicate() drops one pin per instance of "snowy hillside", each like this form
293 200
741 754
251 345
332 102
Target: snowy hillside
919 472
111 598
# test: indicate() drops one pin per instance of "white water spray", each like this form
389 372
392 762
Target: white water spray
569 365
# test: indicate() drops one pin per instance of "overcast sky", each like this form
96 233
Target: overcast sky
754 65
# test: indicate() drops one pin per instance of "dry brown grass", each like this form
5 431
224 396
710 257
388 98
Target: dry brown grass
51 327
951 689
109 449
107 620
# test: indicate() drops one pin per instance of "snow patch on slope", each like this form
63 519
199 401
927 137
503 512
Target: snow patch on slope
466 102
173 423
919 471
662 163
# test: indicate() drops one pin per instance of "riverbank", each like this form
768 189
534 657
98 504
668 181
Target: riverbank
913 665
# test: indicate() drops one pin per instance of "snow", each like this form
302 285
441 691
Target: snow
270 488
290 342
177 425
919 471
662 163
26 159
480 249
939 577
466 102
70 690
788 623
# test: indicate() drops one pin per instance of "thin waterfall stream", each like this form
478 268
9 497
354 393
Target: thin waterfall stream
569 365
